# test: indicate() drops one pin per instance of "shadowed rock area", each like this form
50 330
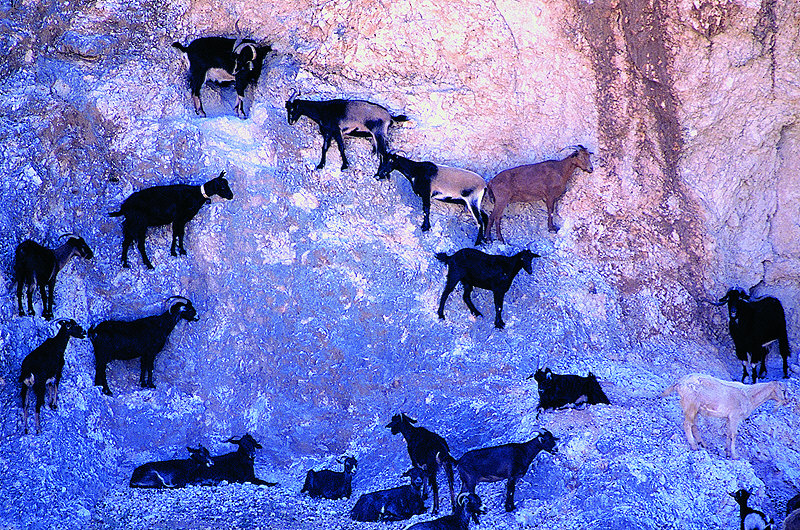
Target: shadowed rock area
317 291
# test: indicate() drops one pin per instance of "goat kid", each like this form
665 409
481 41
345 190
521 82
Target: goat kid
509 461
556 391
734 401
236 466
545 181
467 505
37 265
331 484
339 117
749 518
223 61
427 450
393 504
161 205
43 366
474 268
445 184
172 473
754 325
143 337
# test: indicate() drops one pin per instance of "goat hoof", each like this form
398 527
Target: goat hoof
425 228
126 265
182 252
510 508
500 325
107 392
149 266
441 317
22 313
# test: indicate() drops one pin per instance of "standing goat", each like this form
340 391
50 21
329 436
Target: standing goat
749 518
707 395
445 184
556 391
754 325
393 504
339 117
144 337
468 505
474 268
223 61
162 205
37 265
43 366
427 450
172 473
545 181
236 466
331 484
509 461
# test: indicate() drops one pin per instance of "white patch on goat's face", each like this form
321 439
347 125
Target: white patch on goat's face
218 75
29 381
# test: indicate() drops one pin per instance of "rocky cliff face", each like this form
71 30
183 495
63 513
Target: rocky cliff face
317 290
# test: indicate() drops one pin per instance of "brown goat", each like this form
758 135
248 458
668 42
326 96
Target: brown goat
545 181
734 401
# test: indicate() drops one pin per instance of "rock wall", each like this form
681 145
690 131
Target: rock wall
317 290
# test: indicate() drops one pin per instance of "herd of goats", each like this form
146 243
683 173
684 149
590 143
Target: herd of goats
754 323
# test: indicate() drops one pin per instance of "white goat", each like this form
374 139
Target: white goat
734 401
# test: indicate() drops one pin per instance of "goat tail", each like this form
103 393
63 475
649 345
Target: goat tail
448 461
490 193
443 257
401 117
115 214
179 46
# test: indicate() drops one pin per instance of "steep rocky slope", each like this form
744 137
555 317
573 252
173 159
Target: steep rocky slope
317 291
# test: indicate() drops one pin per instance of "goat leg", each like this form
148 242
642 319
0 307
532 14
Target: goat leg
20 284
337 135
326 144
468 299
47 304
498 308
43 292
510 486
143 251
448 288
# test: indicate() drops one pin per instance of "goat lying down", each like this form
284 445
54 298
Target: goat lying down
734 401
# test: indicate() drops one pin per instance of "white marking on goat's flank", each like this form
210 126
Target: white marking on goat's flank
218 75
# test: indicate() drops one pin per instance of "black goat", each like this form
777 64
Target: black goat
474 268
172 473
37 265
556 390
446 184
467 506
223 61
393 504
144 337
753 325
509 461
750 519
427 450
162 205
331 484
349 117
793 504
43 366
236 466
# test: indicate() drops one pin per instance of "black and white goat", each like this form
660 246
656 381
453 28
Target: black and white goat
556 390
37 265
754 325
749 518
236 466
474 268
43 367
443 183
143 337
223 61
427 451
176 473
331 484
393 504
467 505
339 117
509 462
162 205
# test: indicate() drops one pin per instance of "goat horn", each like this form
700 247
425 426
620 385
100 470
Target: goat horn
178 299
462 498
294 94
710 302
68 234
